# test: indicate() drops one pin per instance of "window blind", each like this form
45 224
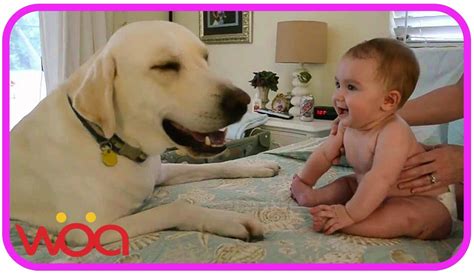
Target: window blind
426 27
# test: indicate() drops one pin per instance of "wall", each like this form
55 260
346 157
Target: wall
238 61
115 20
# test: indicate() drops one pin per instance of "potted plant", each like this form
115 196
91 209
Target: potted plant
264 81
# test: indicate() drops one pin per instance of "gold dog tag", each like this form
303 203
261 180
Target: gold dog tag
109 158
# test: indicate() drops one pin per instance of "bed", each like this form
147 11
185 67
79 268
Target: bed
288 234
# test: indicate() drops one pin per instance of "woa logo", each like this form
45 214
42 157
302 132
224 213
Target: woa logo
60 243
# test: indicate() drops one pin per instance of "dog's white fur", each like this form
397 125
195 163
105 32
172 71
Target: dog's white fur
56 164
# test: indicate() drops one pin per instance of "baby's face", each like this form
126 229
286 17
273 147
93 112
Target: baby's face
359 94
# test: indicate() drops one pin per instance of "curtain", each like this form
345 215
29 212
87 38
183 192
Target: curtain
68 39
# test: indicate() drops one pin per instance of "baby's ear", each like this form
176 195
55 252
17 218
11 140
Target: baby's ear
391 100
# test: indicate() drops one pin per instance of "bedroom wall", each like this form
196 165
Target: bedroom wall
238 61
117 19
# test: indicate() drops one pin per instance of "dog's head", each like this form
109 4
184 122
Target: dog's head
151 85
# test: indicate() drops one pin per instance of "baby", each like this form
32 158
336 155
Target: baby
373 80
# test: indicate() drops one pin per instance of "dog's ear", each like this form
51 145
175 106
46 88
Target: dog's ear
94 97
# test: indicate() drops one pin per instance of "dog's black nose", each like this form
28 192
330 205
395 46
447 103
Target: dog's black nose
234 103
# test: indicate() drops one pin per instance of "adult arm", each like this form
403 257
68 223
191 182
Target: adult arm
439 106
444 162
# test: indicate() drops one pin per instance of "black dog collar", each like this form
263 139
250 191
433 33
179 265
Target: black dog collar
115 143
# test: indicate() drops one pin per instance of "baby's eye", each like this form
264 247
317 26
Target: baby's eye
338 85
351 87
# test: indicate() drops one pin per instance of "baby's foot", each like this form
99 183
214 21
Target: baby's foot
303 194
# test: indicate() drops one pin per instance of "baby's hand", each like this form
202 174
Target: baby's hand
330 218
301 192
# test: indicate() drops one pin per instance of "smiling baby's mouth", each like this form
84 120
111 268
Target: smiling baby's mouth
342 111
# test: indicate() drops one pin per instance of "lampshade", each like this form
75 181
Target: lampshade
301 42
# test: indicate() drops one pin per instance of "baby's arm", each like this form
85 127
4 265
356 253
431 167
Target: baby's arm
391 151
317 164
321 159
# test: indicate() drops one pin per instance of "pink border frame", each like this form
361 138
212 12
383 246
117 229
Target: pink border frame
252 7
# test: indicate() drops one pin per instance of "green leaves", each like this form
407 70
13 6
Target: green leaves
265 79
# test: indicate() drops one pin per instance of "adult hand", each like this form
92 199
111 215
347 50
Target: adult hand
441 165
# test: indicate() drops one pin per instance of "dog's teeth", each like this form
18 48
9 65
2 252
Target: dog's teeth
217 145
207 141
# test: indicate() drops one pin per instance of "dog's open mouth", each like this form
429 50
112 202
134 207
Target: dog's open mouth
208 143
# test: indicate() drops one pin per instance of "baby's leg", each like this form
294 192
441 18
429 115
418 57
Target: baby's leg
419 217
337 192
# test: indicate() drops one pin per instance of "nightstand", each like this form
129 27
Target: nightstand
285 132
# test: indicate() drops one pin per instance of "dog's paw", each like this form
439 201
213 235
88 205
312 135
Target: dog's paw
246 169
237 225
221 222
262 169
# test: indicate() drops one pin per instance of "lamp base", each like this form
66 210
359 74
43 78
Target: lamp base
295 111
299 90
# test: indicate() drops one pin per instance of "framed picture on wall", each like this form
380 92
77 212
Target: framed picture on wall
220 27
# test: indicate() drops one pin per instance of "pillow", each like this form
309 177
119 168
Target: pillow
456 132
431 135
302 150
438 67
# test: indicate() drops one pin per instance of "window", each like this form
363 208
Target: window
426 27
27 85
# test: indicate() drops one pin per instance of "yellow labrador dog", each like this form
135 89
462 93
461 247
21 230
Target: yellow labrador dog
94 144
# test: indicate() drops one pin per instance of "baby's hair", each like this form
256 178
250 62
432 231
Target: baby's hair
398 68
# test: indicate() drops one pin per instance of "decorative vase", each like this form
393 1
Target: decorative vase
263 96
299 90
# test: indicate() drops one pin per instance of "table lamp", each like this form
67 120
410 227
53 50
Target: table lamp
303 42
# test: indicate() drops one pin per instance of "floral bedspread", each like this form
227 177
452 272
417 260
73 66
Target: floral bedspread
288 234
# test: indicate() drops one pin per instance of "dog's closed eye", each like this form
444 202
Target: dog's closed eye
167 66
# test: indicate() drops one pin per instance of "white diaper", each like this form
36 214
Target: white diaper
448 199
